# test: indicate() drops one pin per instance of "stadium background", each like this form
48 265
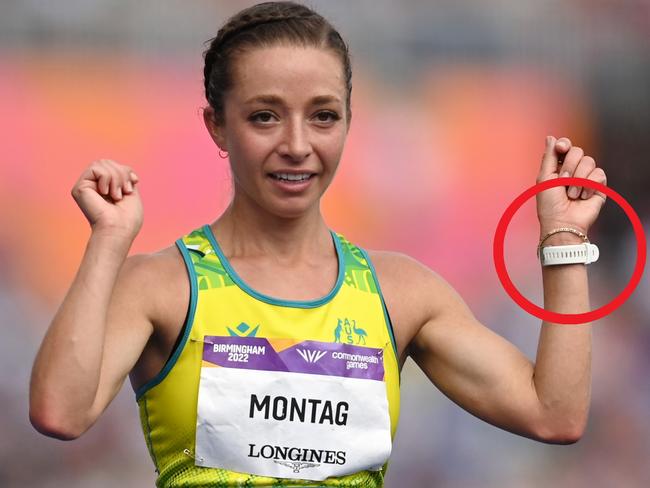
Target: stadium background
451 104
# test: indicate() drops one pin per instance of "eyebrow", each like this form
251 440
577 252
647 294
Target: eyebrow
275 100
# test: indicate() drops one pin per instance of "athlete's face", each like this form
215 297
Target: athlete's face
284 114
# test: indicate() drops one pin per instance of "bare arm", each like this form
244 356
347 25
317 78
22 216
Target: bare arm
487 375
562 375
75 376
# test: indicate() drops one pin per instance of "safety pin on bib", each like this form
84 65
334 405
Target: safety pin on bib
201 341
189 453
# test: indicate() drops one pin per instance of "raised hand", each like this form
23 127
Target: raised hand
575 207
107 195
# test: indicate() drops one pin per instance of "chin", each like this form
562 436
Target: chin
292 210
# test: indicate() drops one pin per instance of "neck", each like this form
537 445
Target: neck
247 230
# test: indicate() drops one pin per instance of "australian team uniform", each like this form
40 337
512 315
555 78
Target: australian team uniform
267 392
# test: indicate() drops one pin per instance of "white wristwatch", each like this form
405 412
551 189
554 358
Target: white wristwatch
572 254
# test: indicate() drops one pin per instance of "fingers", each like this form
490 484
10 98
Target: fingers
113 180
583 170
102 177
573 163
115 184
553 157
571 160
598 175
549 160
578 165
562 145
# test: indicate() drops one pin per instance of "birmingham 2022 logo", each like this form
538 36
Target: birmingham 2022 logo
243 330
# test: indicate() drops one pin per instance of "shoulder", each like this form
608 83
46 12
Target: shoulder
412 291
156 280
150 267
396 266
413 281
399 271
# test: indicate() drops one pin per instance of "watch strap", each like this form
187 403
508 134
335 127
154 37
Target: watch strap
571 254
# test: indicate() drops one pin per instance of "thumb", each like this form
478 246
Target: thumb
549 165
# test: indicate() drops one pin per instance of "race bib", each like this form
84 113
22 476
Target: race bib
275 408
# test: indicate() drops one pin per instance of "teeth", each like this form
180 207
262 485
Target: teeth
291 177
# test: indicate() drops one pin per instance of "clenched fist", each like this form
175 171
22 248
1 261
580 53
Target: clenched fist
107 195
574 207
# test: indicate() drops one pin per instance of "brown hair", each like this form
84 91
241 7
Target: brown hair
264 25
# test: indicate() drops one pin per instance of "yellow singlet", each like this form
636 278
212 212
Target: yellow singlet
227 316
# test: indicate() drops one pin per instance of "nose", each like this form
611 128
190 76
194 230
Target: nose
296 144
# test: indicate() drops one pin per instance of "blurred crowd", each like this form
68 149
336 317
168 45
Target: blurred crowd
451 104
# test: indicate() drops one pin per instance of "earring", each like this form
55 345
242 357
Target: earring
223 154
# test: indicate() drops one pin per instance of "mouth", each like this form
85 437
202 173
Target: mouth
292 178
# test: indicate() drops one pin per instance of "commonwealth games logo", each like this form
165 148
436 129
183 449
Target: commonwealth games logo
311 356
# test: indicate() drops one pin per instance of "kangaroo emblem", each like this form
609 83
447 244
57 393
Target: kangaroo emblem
337 331
344 326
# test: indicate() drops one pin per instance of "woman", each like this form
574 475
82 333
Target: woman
265 348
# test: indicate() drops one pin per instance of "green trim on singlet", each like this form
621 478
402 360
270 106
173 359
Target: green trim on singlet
277 301
189 320
389 324
148 437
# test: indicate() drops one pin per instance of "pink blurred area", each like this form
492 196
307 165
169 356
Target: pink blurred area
68 110
417 173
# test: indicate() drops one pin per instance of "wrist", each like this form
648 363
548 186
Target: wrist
114 233
119 242
563 247
545 228
561 234
562 239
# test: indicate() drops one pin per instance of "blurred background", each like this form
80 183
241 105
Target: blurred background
451 103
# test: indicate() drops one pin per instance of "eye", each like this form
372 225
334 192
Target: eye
327 116
262 117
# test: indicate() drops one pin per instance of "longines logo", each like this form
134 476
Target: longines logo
296 466
296 458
